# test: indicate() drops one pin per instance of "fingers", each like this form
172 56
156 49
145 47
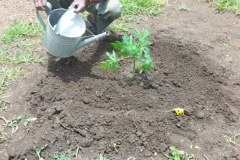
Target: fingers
80 8
79 5
40 4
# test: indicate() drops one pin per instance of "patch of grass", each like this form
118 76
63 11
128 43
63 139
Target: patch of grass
232 139
140 7
8 74
132 10
27 57
183 7
19 31
17 47
228 5
11 73
119 25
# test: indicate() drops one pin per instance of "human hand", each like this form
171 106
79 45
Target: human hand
80 5
40 4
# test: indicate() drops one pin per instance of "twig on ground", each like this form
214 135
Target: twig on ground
205 157
64 125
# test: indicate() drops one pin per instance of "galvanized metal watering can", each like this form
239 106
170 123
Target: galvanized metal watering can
64 32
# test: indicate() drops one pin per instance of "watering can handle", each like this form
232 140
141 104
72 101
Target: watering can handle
48 10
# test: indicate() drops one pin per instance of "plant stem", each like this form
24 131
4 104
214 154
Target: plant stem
134 69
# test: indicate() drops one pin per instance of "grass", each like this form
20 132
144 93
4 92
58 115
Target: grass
5 104
226 5
133 10
17 46
19 31
183 7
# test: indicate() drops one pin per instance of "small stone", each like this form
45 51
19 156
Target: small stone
229 38
200 115
155 154
59 108
86 100
147 154
178 125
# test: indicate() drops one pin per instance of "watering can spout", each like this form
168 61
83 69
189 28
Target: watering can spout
92 39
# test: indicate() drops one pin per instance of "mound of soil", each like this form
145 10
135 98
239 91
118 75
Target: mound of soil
78 101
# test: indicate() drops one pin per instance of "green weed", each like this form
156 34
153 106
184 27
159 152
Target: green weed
232 139
176 154
2 135
101 157
12 123
135 49
114 147
38 151
4 104
61 156
3 85
131 158
183 7
29 120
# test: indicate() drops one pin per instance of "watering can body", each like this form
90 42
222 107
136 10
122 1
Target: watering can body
63 39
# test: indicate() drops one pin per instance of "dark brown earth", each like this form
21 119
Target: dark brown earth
196 67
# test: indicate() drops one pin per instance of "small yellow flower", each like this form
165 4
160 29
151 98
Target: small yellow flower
179 111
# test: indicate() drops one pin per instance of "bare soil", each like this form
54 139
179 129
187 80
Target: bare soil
196 67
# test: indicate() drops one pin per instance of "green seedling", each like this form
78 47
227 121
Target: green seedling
4 104
183 7
114 147
131 158
101 157
232 139
3 85
175 154
135 49
2 136
179 155
11 123
69 143
61 156
38 151
29 120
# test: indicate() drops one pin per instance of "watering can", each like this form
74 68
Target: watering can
64 32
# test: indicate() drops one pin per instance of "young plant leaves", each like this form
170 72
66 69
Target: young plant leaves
135 49
29 120
112 63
